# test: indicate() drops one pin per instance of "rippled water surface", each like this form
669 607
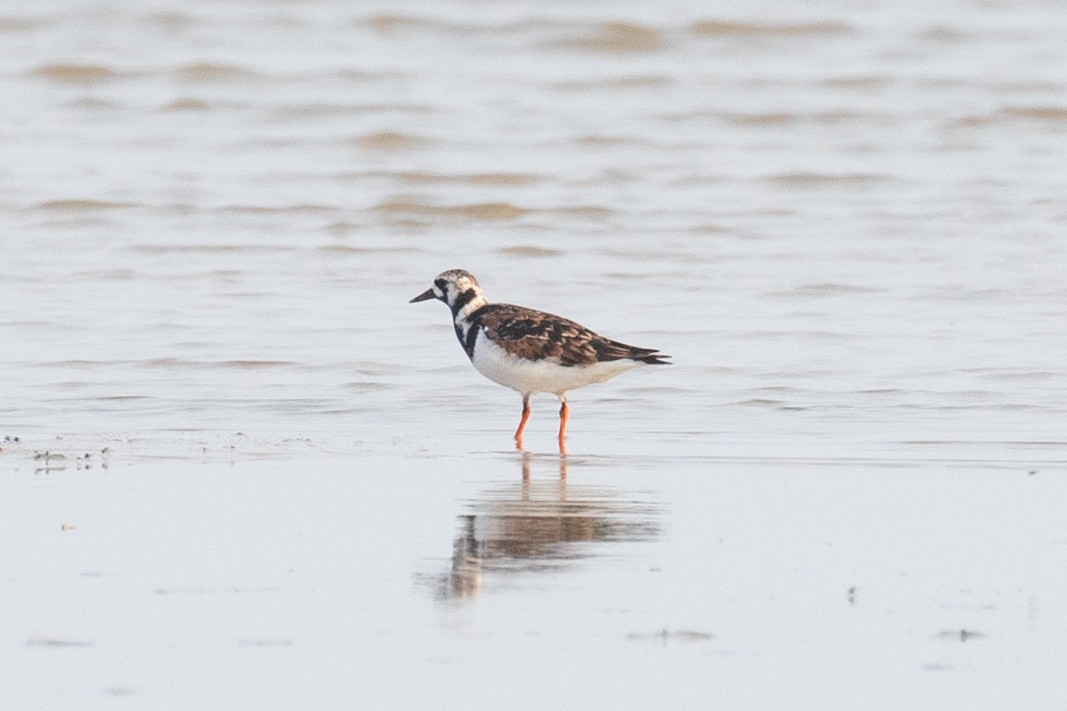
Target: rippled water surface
240 470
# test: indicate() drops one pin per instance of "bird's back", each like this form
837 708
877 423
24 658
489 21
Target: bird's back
538 335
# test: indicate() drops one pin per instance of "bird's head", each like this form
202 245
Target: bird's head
456 287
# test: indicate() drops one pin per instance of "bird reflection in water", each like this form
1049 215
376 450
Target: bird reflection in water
533 526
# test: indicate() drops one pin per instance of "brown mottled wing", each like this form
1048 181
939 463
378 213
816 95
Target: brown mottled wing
538 335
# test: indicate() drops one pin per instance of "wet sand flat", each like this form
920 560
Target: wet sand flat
312 580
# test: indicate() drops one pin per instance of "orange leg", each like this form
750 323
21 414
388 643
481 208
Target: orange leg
522 422
564 415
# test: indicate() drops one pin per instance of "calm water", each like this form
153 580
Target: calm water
844 220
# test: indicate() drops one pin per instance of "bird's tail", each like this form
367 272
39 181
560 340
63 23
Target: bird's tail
654 359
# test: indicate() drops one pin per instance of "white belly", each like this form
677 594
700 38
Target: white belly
544 376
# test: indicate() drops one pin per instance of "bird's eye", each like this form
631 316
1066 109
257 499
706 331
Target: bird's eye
441 284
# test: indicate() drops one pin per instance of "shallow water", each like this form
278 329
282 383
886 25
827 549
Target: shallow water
844 221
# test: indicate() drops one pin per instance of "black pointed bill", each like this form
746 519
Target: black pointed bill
424 296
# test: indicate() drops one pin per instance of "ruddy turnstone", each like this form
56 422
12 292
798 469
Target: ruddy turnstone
531 351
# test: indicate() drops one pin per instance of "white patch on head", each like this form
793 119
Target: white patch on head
462 283
456 282
541 376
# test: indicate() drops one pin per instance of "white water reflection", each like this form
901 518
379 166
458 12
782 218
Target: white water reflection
542 525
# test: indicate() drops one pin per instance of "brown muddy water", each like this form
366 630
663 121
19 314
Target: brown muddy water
239 470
